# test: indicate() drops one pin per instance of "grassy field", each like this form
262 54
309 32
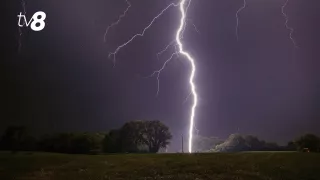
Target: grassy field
240 166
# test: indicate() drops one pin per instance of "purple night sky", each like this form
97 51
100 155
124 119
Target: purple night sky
62 79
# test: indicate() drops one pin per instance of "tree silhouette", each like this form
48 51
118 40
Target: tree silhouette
156 135
310 141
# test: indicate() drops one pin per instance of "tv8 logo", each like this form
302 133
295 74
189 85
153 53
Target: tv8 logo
37 21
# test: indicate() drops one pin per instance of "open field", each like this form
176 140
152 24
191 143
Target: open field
231 166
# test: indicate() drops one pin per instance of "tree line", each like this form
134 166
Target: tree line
141 137
238 142
132 137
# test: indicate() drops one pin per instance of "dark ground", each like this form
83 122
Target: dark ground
246 166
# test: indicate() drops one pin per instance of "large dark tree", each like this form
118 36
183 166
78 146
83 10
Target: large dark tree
310 141
131 136
156 135
135 136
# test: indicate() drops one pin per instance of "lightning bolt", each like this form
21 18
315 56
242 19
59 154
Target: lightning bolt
291 30
118 21
173 43
192 74
237 17
23 4
179 50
